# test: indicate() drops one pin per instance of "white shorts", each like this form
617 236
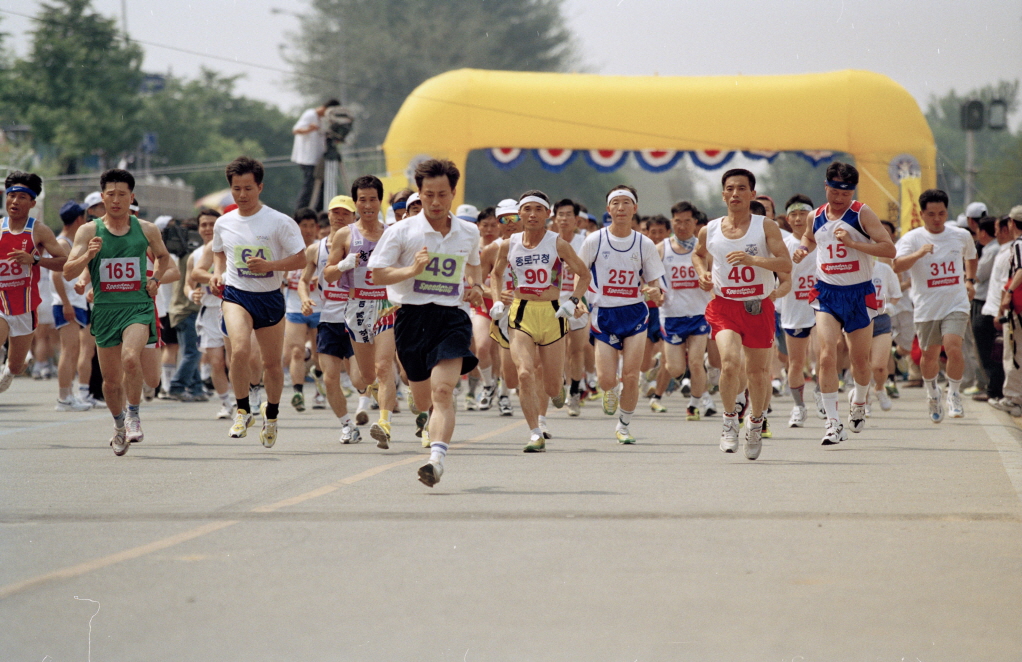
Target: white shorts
367 318
44 315
207 325
577 323
21 325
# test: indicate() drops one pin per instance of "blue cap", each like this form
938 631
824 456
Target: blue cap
70 211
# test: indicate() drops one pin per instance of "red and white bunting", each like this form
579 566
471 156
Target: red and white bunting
658 160
505 154
711 159
606 160
554 157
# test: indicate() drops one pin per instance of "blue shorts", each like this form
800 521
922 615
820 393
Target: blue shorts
332 339
799 333
653 330
881 325
679 329
81 316
265 308
854 306
613 325
311 321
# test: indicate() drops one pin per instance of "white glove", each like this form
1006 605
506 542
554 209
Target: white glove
497 311
348 263
567 310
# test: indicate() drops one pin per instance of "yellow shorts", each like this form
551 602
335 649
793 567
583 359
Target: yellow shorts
538 319
498 331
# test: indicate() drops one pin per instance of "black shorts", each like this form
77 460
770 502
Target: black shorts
167 332
265 308
428 334
332 339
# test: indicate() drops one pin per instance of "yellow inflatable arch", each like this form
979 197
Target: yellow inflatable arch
859 112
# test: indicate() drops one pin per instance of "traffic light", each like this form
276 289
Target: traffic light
973 115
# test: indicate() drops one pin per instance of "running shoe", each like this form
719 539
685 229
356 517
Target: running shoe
486 398
362 415
574 405
706 402
972 390
6 377
70 404
255 396
422 428
686 387
119 442
545 430
268 435
504 404
798 417
753 439
411 403
380 431
936 408
821 411
954 406
319 401
729 435
242 422
624 436
650 389
610 402
692 413
892 389
148 392
558 400
471 404
835 433
430 473
856 416
373 392
775 387
320 384
1006 405
537 444
765 433
883 399
654 404
742 401
226 411
298 401
134 430
350 434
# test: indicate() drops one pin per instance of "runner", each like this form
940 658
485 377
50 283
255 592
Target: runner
534 258
369 315
737 257
253 247
71 319
486 349
849 234
657 228
430 263
300 329
888 293
566 216
113 248
510 223
207 324
332 341
684 308
626 270
798 319
932 255
22 240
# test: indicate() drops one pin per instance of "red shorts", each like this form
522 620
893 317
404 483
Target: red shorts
757 331
485 311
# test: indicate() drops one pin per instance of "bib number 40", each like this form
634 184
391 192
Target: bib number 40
741 275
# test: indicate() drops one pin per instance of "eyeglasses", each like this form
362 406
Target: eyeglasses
510 218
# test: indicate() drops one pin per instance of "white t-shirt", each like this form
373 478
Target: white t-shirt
308 147
796 313
76 300
938 278
267 234
442 282
887 286
998 279
620 266
738 282
209 300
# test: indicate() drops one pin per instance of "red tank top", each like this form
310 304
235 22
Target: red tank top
19 284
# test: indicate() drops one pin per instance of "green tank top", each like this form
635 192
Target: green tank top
119 269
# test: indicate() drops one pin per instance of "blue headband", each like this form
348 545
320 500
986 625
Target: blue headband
399 205
18 188
841 186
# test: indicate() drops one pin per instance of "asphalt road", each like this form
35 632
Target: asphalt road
903 543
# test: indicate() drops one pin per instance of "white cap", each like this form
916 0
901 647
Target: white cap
163 221
467 210
414 197
93 199
507 206
976 210
962 221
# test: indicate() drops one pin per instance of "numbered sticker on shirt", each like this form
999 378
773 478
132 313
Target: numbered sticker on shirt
242 254
13 274
120 274
442 275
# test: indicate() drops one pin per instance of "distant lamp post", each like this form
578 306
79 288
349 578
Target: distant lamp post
974 117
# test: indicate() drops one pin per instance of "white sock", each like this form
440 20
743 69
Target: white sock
624 418
487 374
225 398
83 391
860 393
437 452
536 432
932 389
364 403
65 393
693 401
168 376
542 421
954 385
345 420
830 405
502 391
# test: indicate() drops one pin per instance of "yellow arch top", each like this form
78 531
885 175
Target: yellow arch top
860 112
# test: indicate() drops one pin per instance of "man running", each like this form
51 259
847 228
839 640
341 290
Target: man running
253 247
113 248
430 265
737 256
849 235
625 269
486 349
941 297
71 320
536 318
299 329
369 315
565 224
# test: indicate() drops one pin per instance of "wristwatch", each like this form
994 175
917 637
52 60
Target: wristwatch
36 258
574 300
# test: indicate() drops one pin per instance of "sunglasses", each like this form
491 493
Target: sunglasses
510 218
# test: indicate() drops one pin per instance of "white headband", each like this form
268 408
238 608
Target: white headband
533 198
616 193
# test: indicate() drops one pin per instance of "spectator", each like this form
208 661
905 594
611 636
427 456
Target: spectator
1012 388
983 325
309 146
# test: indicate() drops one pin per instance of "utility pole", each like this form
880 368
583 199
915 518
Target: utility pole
124 18
975 118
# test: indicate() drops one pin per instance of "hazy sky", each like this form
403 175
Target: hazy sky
928 47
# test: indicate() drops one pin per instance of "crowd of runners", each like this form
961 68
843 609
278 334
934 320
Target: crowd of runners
398 301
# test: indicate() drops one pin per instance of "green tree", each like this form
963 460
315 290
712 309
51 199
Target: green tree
79 86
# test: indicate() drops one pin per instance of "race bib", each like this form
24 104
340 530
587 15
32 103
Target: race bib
119 274
442 275
14 275
243 253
